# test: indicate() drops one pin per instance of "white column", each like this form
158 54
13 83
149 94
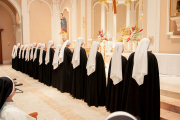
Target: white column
89 2
128 14
25 22
83 15
103 16
153 22
55 23
74 20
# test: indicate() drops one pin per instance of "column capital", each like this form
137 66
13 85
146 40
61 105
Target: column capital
128 2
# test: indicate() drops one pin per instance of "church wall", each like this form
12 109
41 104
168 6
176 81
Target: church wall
40 22
79 19
6 23
166 44
97 20
145 18
18 2
121 19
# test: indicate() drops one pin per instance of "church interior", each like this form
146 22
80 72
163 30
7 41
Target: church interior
55 50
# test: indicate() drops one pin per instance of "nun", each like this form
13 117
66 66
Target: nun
23 59
13 56
56 71
42 63
8 111
17 56
95 84
36 62
27 57
33 48
79 61
20 58
141 85
48 64
114 89
65 67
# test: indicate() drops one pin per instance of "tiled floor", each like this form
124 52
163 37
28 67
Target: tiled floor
49 102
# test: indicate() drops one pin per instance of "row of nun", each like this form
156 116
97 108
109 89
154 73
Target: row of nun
132 86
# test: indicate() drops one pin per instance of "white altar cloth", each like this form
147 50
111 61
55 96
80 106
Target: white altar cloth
169 64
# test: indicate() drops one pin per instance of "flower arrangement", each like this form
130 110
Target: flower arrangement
135 33
101 36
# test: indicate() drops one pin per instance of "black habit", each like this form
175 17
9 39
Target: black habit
31 64
17 60
27 64
20 61
36 65
143 101
65 81
42 68
55 76
48 69
114 93
24 62
79 76
95 84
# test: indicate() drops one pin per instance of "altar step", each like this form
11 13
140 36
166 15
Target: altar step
168 115
170 101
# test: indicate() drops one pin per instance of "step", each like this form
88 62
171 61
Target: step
170 104
170 90
168 115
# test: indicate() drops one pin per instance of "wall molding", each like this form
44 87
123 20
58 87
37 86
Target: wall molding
9 10
63 2
41 1
18 9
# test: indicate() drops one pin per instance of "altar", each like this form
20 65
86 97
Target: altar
168 63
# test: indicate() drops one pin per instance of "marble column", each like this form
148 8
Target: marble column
89 3
25 22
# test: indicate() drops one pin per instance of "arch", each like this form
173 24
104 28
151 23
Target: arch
9 10
64 9
18 9
136 5
62 4
100 3
42 1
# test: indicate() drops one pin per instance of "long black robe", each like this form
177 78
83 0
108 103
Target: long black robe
65 81
17 60
95 84
13 60
143 101
20 62
48 69
79 76
36 66
55 76
114 93
27 64
31 64
23 62
42 68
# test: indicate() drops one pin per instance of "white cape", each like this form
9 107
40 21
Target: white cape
10 112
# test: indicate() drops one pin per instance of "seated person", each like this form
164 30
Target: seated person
8 111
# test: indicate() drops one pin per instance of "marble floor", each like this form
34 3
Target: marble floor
51 104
